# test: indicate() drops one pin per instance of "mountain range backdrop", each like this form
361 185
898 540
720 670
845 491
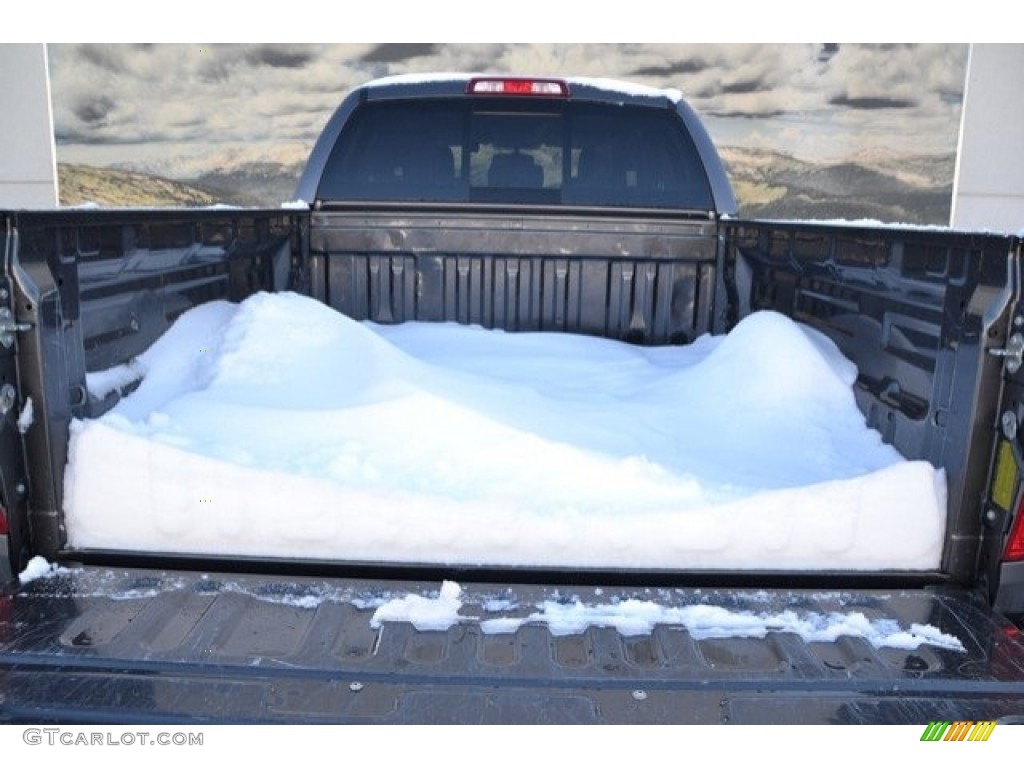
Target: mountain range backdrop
807 131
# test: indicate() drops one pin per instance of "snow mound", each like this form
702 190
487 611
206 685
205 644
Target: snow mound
279 427
782 362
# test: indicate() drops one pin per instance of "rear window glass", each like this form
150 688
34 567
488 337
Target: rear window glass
522 151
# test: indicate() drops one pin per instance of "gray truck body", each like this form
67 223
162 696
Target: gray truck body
928 316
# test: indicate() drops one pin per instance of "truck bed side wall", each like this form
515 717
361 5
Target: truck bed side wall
13 476
916 311
96 288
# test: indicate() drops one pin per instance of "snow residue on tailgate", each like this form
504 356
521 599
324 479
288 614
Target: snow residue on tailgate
279 427
633 617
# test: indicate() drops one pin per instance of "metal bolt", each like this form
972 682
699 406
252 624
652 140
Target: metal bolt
1018 321
991 516
4 294
355 687
639 694
20 489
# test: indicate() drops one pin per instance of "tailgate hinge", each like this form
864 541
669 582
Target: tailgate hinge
1013 352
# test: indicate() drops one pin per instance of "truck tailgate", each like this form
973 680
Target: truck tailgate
93 644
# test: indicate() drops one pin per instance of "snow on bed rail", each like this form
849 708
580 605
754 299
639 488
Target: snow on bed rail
26 417
279 427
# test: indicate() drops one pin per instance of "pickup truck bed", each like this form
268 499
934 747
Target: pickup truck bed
931 319
206 641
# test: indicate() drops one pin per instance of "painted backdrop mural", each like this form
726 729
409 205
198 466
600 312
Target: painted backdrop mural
808 130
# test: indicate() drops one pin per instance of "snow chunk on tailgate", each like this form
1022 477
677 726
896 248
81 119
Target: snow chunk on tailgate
38 568
279 427
424 613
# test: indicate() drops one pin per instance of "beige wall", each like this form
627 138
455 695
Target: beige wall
988 192
28 171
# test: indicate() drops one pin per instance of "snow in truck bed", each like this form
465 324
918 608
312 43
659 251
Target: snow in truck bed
279 427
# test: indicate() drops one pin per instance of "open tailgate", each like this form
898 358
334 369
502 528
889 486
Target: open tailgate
90 644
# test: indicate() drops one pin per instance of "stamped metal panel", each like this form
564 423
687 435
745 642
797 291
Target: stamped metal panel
138 646
91 289
644 280
922 313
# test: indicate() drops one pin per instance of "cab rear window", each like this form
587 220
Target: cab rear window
521 152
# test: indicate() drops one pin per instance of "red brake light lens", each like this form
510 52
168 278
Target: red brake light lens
517 86
4 529
1014 551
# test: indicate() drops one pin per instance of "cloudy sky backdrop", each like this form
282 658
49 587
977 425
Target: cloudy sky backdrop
182 109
